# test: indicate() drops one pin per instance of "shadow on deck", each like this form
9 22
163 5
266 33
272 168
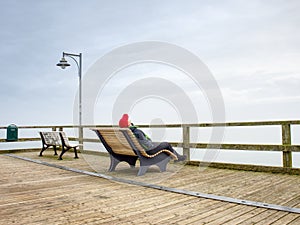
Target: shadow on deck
35 194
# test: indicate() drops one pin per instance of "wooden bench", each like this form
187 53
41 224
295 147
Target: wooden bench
122 145
56 139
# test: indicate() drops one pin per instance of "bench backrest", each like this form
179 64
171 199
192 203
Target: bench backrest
50 138
64 139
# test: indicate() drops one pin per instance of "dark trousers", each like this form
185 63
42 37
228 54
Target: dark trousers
161 146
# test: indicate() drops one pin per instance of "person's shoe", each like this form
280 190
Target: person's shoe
181 158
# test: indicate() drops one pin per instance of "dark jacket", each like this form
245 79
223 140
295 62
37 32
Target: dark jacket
143 139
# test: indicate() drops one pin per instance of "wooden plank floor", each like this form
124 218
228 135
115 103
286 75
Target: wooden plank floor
31 193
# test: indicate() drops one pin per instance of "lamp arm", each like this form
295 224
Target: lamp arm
71 56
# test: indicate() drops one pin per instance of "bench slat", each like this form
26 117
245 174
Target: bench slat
51 138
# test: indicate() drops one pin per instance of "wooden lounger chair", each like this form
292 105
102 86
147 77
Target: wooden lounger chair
122 145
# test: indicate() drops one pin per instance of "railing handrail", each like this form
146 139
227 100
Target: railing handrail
175 125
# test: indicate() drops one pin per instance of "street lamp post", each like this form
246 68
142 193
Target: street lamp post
63 63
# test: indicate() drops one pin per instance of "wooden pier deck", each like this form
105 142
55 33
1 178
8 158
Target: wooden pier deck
37 194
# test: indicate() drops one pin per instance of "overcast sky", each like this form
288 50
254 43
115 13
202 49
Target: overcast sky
252 48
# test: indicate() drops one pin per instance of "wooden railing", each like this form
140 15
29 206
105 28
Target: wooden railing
286 146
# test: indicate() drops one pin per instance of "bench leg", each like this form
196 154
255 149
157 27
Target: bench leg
55 152
75 151
63 150
41 152
43 149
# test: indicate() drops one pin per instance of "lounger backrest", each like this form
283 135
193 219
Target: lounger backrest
136 143
116 140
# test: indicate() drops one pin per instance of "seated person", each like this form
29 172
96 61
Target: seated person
145 141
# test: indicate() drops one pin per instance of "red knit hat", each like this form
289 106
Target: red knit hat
123 122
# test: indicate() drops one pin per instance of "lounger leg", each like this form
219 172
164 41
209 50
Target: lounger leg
131 161
163 164
113 163
142 170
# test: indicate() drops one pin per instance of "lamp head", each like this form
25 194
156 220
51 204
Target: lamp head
63 63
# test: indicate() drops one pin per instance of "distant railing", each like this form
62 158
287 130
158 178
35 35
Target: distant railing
286 146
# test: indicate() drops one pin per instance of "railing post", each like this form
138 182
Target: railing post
286 142
80 129
186 141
